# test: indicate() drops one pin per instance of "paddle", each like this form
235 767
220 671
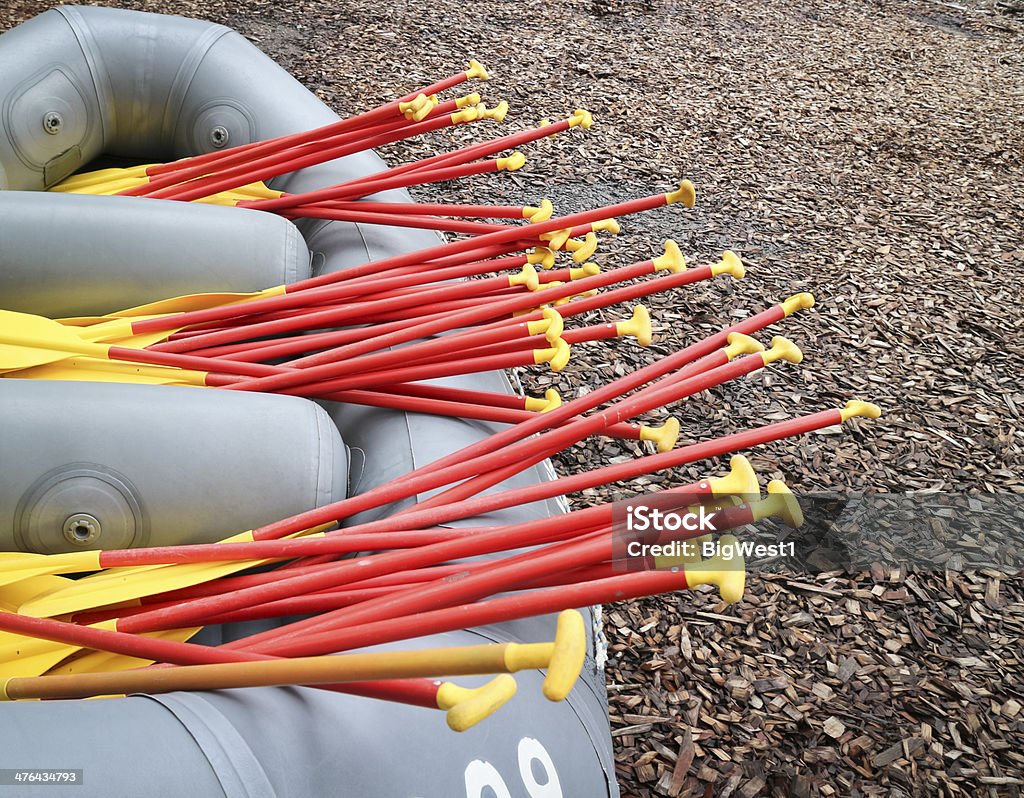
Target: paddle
563 658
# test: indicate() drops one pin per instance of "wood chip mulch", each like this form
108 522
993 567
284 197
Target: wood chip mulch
872 153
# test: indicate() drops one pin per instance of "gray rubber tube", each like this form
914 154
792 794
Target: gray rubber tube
153 250
152 88
88 465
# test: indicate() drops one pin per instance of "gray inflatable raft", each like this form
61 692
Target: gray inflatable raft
102 465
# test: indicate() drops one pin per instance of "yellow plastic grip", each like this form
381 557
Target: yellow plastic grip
567 658
551 400
685 194
741 479
664 436
729 575
468 100
607 225
782 349
638 325
556 325
512 163
552 325
586 270
466 706
497 113
3 689
526 276
541 256
801 301
415 106
729 264
470 114
780 503
556 238
856 408
581 118
476 70
539 214
557 356
740 344
672 260
581 250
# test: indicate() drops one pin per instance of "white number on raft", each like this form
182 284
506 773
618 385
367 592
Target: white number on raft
484 781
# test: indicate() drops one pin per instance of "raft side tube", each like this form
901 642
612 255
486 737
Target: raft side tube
89 465
104 254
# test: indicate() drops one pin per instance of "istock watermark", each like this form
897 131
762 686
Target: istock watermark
663 531
822 532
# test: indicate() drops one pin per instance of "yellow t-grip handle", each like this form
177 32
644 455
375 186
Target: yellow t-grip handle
416 108
476 70
729 575
470 114
730 264
782 349
607 225
551 400
664 437
552 325
741 479
581 250
586 270
780 503
638 325
526 276
467 706
672 260
563 658
541 256
801 301
512 163
685 194
856 408
468 100
740 344
557 356
566 662
581 118
556 238
539 214
497 113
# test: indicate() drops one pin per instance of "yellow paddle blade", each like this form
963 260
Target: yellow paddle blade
252 191
21 655
14 645
101 177
35 664
86 594
116 330
190 302
117 585
28 340
12 596
82 321
16 567
90 661
95 370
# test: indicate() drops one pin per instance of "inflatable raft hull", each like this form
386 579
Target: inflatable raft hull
80 82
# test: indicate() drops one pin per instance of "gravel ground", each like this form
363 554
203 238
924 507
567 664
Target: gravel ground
868 152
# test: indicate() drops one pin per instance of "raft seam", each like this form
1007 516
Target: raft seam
97 68
180 86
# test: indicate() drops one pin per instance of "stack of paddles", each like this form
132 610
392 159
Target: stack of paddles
333 337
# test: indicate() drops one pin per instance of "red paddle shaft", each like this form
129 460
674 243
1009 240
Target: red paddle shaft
271 304
418 692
